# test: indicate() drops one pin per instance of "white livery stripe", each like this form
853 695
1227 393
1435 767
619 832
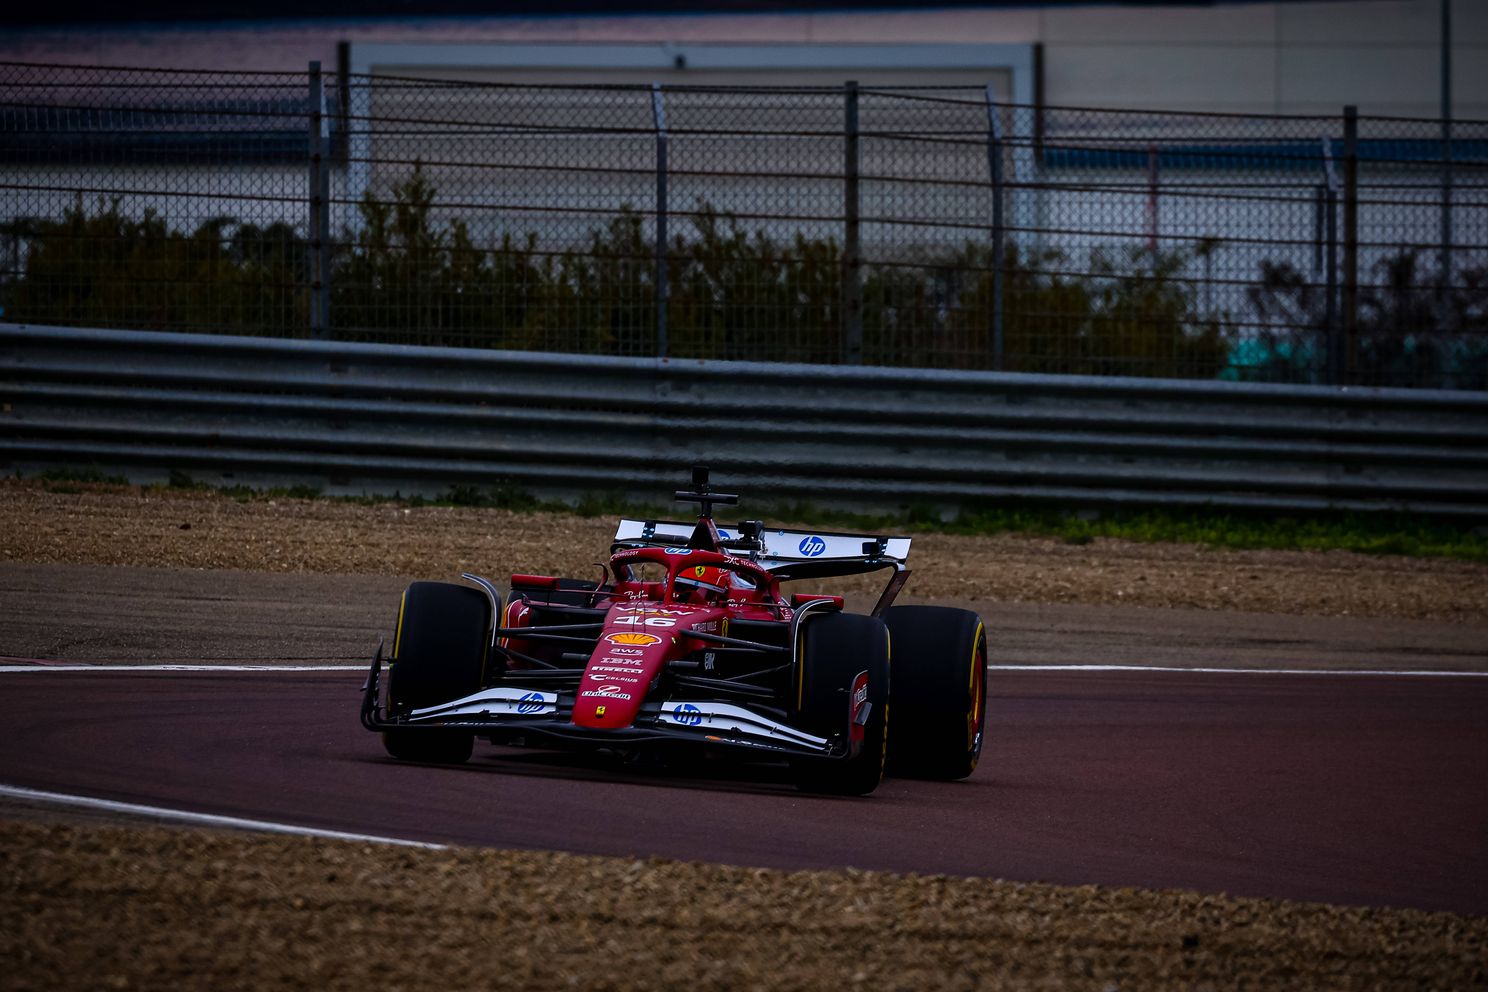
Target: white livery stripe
203 819
523 702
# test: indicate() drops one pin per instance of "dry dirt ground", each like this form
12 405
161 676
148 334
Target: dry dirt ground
87 904
114 908
121 525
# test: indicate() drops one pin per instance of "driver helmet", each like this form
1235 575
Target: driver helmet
702 584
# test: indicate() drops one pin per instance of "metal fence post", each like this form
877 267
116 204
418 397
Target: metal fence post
994 169
1319 204
326 235
1332 339
1444 301
658 115
319 203
1031 202
1152 207
1351 238
852 253
340 147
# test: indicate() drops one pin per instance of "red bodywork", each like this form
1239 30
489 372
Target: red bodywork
651 622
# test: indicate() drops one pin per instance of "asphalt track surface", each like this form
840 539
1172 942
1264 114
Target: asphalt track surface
1369 789
94 613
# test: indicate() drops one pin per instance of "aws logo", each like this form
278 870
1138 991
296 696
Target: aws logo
633 637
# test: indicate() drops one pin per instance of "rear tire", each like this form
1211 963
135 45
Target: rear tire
940 692
837 648
439 654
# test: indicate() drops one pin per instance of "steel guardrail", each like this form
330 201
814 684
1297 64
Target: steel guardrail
385 418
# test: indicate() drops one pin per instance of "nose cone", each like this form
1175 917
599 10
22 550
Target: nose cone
624 662
637 643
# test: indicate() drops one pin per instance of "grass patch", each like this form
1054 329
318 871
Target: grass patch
499 498
1365 533
496 498
183 480
90 475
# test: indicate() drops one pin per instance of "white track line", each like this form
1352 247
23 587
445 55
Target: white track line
204 819
1352 672
1423 673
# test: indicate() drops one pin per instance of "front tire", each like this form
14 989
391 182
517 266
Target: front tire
940 692
837 648
440 649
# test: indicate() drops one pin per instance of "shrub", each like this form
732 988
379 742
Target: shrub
1409 332
403 275
101 268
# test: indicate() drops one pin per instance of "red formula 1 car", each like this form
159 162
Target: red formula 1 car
687 642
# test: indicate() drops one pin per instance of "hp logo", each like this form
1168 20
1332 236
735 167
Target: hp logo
688 715
813 546
531 703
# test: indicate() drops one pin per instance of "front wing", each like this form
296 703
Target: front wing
504 713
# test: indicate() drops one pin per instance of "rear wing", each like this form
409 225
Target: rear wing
790 553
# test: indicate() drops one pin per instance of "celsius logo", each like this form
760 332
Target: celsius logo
813 546
688 715
633 637
531 703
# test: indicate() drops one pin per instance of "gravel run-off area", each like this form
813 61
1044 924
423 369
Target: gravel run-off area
114 908
122 525
89 904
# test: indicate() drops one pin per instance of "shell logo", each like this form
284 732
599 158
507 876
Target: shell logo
633 637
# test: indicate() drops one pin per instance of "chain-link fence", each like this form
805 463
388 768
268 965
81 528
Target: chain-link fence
925 227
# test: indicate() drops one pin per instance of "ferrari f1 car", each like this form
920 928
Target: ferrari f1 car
687 642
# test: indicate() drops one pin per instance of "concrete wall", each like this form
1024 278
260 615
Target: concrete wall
1261 57
1268 58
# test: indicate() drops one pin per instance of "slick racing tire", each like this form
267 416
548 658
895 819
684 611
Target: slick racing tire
939 696
836 648
439 654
